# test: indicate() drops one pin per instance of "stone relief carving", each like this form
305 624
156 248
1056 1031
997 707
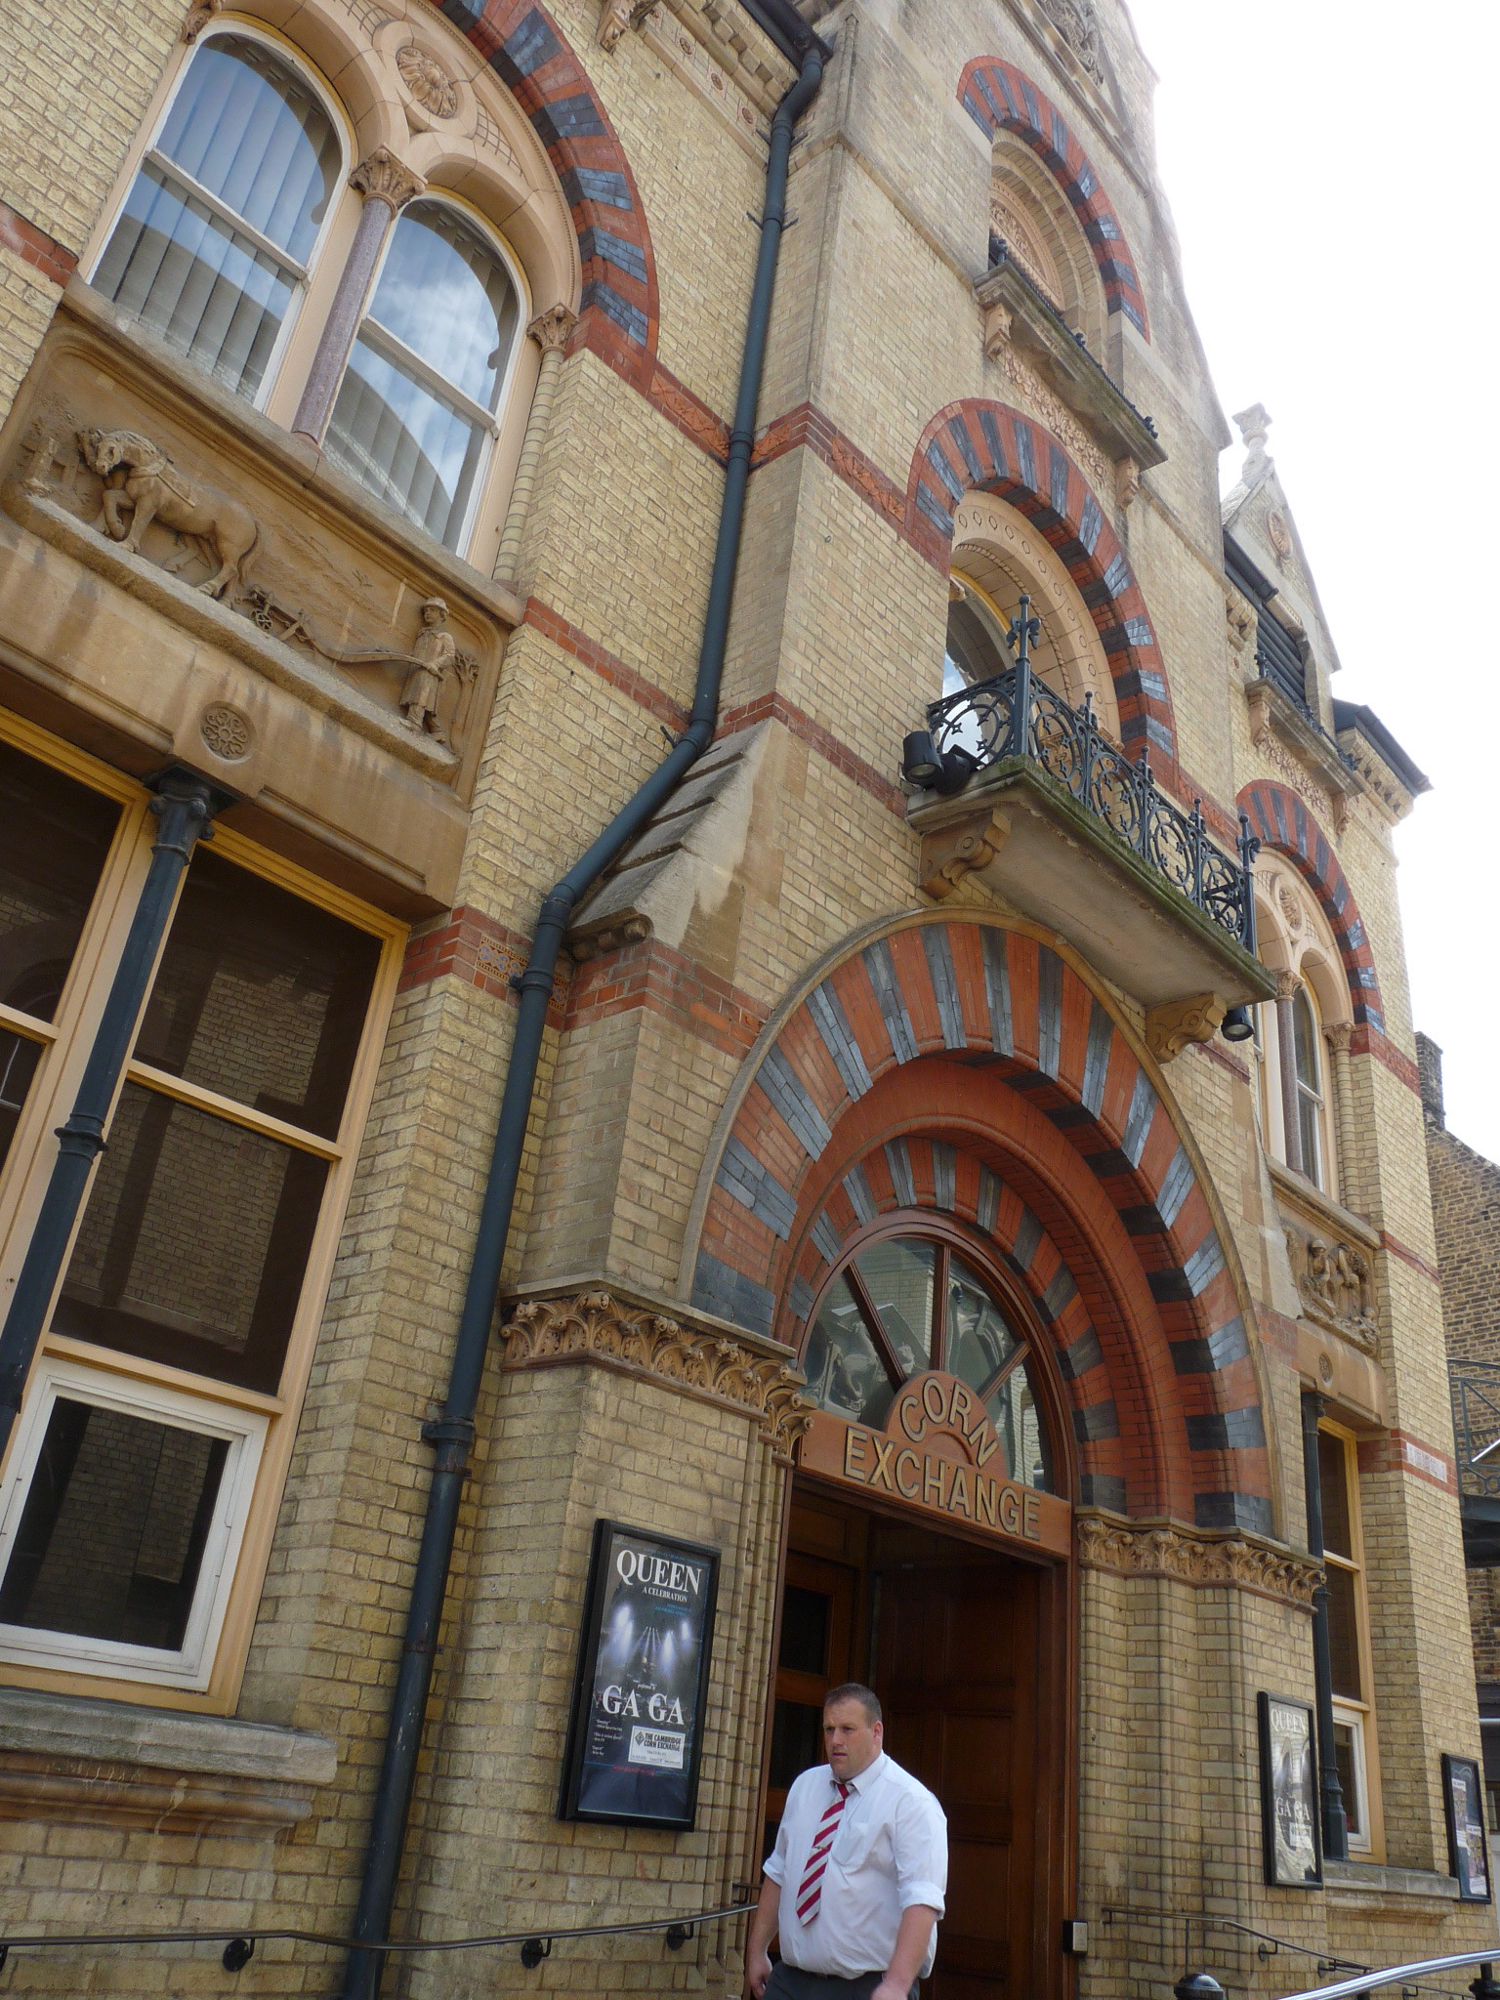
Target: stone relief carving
1077 23
1160 1548
139 476
198 18
427 80
711 1365
1054 413
1336 1282
380 176
226 732
1171 1027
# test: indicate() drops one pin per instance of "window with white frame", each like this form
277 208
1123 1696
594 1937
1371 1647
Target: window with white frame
157 1423
228 235
1307 1060
1349 1638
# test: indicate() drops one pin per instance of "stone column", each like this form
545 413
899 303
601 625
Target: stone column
387 187
1286 1038
1339 1036
550 331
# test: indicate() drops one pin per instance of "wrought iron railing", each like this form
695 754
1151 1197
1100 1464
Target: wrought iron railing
1015 715
1475 1386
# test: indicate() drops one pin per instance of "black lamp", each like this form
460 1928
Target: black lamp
945 771
1237 1025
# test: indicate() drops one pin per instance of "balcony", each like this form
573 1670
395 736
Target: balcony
1019 788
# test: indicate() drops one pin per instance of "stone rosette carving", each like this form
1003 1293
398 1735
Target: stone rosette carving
428 82
1206 1561
226 732
1336 1284
596 1325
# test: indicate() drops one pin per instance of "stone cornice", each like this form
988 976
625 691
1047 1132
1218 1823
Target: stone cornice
711 1367
1203 1559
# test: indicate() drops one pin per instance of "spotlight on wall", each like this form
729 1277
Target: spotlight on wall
1237 1025
922 763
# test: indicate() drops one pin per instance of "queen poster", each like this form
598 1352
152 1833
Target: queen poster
638 1700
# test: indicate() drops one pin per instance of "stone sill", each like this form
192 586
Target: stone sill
1314 1205
77 1759
1373 1878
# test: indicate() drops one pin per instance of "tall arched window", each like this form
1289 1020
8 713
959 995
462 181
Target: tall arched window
415 418
1307 1038
218 232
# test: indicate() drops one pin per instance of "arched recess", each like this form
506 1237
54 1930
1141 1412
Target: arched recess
530 54
1283 822
972 1067
989 447
999 98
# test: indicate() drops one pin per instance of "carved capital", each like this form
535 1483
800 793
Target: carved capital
1258 696
1286 985
550 329
1340 812
1340 1034
711 1367
950 852
997 322
380 176
1205 1561
1127 480
198 18
614 19
1170 1027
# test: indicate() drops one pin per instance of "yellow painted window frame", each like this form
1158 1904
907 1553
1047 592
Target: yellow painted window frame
1359 1715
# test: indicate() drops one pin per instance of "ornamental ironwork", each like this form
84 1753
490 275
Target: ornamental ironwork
1016 718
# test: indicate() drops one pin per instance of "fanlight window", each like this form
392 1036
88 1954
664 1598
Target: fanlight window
906 1304
213 247
415 417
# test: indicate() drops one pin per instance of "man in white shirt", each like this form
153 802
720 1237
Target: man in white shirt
855 1884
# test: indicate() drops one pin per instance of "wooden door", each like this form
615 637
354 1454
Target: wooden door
816 1653
956 1659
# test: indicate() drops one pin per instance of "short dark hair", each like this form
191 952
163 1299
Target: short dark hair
867 1698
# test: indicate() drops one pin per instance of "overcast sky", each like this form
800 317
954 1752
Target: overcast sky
1329 167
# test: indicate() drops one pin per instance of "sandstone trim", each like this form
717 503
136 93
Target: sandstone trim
1207 1561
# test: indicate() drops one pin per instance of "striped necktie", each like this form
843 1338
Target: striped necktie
810 1895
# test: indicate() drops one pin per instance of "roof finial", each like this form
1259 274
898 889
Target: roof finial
1253 424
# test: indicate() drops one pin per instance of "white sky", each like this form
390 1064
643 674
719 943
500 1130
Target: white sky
1330 168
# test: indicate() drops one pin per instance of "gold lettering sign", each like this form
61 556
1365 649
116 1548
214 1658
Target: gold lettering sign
934 1454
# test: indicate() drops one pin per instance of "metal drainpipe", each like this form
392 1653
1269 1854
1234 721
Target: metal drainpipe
452 1433
184 804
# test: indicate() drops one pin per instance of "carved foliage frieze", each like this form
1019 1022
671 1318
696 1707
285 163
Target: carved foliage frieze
596 1325
1165 1549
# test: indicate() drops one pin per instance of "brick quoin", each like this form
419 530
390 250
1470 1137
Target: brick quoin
1001 98
976 445
34 246
945 1047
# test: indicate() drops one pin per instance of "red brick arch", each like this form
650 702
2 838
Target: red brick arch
999 97
532 57
977 444
970 1067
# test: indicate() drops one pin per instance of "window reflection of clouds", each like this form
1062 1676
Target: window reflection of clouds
444 295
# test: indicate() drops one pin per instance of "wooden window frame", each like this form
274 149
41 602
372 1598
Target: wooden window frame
1359 1716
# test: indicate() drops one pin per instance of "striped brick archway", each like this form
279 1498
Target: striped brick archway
529 53
994 448
1284 823
970 1067
998 97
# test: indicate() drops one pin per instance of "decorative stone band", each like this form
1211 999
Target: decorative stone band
711 1367
1206 1561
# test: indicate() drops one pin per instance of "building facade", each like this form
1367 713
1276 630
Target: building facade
935 1143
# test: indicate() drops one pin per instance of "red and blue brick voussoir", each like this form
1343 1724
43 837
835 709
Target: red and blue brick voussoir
978 993
976 444
1284 822
998 97
527 50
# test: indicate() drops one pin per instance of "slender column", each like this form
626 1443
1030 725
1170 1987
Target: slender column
1343 1107
1330 1791
387 187
550 331
184 805
1286 1041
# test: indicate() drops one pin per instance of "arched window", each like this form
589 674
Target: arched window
905 1304
415 418
213 247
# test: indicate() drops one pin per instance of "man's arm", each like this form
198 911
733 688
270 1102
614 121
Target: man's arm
763 1927
911 1949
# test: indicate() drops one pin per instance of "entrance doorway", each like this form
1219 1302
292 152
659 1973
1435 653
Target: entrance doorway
966 1648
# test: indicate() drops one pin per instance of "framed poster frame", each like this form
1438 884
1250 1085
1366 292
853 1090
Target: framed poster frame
1463 1794
1290 1821
640 1687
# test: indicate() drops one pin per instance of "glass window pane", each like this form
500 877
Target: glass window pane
56 834
111 1538
899 1275
405 444
18 1060
1310 1125
1333 1484
796 1741
979 1341
1023 1437
975 650
1345 1756
1343 1632
447 296
844 1372
805 1616
1305 1028
193 1243
260 997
